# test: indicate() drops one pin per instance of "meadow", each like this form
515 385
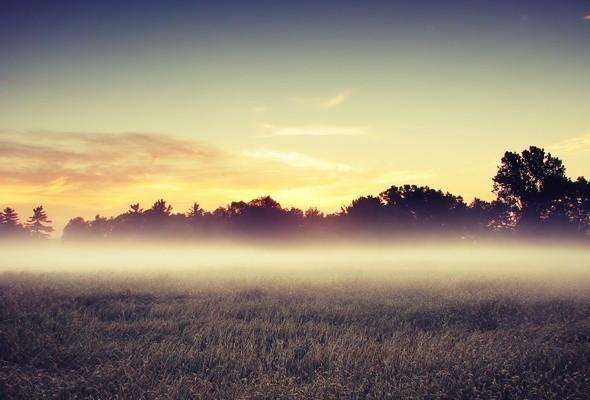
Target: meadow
444 323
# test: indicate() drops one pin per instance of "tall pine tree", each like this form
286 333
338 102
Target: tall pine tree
9 222
39 224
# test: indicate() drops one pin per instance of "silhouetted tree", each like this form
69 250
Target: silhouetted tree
161 208
313 214
101 227
294 216
316 222
262 215
569 212
10 225
421 206
38 224
135 209
579 209
528 183
77 228
157 219
10 217
484 215
131 223
195 211
364 213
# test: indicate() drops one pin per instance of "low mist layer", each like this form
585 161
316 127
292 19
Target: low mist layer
187 265
226 322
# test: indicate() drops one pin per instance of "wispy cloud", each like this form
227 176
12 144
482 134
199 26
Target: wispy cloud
101 169
576 144
328 102
297 160
403 177
339 98
312 130
89 147
586 17
94 160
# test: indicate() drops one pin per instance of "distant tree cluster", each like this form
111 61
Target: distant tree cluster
533 196
38 226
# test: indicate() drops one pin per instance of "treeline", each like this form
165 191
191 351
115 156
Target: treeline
533 196
37 226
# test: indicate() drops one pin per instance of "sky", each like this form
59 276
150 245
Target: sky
104 104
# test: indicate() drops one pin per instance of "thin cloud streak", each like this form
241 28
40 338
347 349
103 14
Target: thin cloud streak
312 130
336 100
326 103
88 147
297 160
92 160
576 144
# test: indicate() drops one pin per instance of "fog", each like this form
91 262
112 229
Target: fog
558 265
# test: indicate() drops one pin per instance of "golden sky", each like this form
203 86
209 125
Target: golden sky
100 108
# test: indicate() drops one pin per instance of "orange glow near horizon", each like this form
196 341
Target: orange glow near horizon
87 174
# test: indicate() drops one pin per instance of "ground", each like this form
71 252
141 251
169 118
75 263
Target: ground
72 336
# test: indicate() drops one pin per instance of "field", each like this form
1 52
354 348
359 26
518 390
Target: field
313 332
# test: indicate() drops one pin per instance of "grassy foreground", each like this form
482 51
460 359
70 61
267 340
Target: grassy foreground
149 338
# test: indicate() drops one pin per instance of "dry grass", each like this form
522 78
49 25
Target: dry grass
146 338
